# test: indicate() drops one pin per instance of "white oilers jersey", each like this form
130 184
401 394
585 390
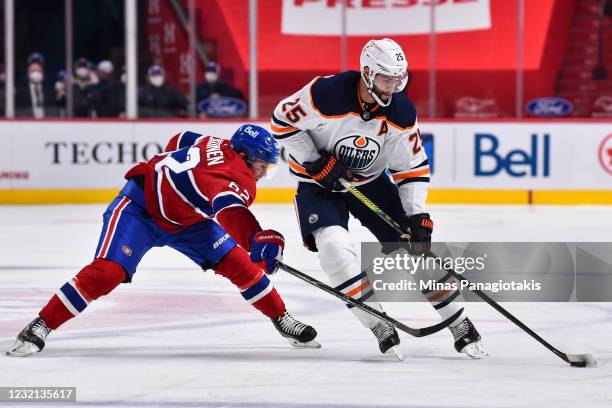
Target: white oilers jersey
328 115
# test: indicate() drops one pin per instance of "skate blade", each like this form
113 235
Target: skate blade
22 349
310 344
475 351
395 352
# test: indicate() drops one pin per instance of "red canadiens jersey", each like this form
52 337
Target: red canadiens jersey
196 178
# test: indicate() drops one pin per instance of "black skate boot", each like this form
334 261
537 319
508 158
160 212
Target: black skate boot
388 339
31 339
467 339
297 333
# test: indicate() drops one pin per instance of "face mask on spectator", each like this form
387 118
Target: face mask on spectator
35 76
211 76
82 73
157 80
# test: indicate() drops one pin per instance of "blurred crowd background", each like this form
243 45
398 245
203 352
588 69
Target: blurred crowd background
543 58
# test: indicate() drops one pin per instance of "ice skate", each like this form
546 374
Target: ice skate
388 339
30 340
297 333
467 339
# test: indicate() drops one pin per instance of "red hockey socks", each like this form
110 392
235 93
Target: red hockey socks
254 285
96 279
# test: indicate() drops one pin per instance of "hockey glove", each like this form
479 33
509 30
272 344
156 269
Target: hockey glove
327 171
267 249
418 229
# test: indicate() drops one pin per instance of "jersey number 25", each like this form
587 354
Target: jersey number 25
418 142
293 111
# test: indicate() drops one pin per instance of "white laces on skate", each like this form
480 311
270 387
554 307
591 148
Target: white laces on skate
460 329
291 325
382 330
40 329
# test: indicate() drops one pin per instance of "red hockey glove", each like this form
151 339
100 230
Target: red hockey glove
418 229
267 249
327 171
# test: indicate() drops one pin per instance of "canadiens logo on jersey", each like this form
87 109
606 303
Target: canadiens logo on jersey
357 152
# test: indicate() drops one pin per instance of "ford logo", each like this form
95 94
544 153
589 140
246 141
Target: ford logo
549 107
222 107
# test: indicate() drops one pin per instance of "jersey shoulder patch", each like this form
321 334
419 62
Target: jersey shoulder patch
402 112
335 95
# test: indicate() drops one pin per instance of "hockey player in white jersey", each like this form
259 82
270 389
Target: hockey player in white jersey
355 126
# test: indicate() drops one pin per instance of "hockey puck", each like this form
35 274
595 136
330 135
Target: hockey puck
578 364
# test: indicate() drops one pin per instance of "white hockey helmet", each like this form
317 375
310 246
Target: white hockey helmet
385 58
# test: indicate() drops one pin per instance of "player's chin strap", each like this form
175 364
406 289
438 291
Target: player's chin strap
373 94
416 332
575 360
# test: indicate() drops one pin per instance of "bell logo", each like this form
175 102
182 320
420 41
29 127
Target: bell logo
250 131
605 154
533 161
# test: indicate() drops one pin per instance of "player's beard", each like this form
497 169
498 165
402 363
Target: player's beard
383 96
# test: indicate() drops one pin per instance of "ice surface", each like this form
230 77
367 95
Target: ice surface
184 338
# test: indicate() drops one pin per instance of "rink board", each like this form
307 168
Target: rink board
480 162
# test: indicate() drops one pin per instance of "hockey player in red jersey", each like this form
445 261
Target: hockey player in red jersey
171 200
359 126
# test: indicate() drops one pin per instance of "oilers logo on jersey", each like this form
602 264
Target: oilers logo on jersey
357 152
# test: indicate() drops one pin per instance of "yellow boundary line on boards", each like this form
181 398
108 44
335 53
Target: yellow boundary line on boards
285 195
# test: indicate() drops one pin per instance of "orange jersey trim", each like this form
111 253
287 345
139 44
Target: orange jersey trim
282 129
419 173
296 167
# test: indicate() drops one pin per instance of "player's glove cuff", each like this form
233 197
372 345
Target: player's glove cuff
418 228
267 249
327 170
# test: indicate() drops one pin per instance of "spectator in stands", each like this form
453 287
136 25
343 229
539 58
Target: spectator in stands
158 99
84 73
213 87
34 99
36 57
83 79
105 96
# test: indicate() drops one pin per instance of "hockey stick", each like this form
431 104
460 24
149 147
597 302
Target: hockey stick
575 360
420 332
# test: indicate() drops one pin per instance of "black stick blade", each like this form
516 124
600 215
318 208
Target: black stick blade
581 360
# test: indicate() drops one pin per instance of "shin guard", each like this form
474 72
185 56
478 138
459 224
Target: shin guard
254 285
96 279
339 260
